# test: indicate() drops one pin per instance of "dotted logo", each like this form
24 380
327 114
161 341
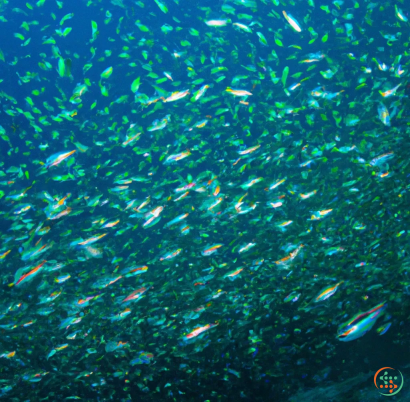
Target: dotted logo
388 381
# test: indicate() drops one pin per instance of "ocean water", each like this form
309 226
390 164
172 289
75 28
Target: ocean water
204 200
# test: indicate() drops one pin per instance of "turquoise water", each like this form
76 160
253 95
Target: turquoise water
203 201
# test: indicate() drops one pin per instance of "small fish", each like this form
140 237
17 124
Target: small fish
177 157
384 328
176 220
327 292
234 273
246 247
308 195
21 209
91 240
277 184
171 254
168 75
242 27
120 316
381 159
360 324
390 92
107 73
110 224
128 272
249 150
199 330
177 96
62 278
3 256
292 22
136 294
292 297
216 23
57 158
31 274
211 250
238 92
399 14
200 92
384 115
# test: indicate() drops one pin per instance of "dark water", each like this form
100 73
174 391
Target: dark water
298 186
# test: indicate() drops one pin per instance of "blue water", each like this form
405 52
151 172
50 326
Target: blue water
301 170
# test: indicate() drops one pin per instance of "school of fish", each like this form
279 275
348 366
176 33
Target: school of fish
200 201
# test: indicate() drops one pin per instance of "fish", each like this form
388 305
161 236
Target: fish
400 15
360 324
171 254
390 92
177 96
136 294
56 159
201 92
327 292
381 159
384 115
177 157
211 249
216 23
199 330
176 220
91 240
238 92
29 275
292 22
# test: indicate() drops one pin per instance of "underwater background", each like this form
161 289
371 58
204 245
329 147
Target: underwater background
203 200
